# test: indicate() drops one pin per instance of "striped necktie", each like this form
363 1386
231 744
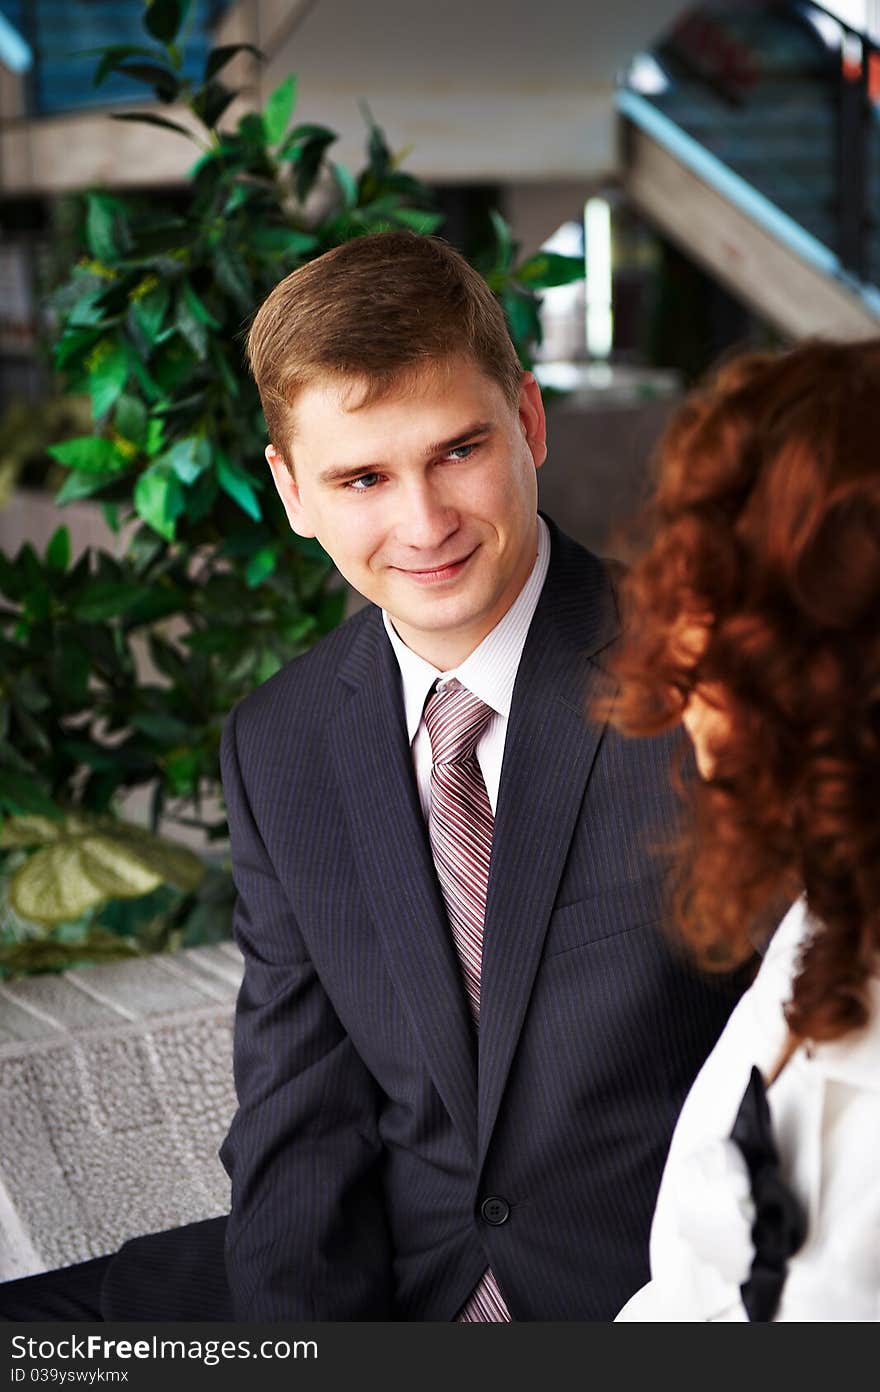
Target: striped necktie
460 827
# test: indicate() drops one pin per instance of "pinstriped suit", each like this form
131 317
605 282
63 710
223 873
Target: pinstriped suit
368 1131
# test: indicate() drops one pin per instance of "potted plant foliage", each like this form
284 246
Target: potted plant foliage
117 671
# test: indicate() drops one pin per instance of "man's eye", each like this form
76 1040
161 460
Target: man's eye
461 452
363 483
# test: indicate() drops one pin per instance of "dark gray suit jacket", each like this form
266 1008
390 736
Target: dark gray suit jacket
372 1127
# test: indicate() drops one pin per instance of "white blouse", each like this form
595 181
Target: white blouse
825 1110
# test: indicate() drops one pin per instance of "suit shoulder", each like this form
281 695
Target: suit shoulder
303 687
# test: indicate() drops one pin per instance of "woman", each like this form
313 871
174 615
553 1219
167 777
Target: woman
755 619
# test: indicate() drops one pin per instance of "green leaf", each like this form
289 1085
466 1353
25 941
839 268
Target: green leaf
150 311
378 152
32 732
268 665
70 669
522 318
61 881
30 693
94 756
219 57
420 221
32 830
148 385
130 419
261 565
158 604
23 795
347 183
164 18
222 641
189 458
78 485
162 80
210 103
198 308
252 132
48 954
158 498
89 454
548 268
166 658
107 377
332 610
110 513
191 327
107 601
173 370
148 119
12 582
74 344
167 729
283 240
101 228
58 550
232 274
503 239
200 497
279 109
182 771
115 54
302 134
239 486
307 156
155 435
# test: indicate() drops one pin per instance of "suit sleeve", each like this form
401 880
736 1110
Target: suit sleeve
307 1237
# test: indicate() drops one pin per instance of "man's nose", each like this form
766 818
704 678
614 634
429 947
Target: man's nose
426 518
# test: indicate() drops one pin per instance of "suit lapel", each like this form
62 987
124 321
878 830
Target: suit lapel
375 770
548 755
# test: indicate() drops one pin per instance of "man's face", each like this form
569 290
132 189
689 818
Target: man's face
426 499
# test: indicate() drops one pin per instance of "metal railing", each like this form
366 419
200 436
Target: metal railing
786 97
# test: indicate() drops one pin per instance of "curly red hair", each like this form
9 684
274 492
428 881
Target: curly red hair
767 533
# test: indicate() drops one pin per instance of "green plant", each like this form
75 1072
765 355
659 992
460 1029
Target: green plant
213 591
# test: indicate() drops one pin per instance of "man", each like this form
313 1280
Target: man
462 1040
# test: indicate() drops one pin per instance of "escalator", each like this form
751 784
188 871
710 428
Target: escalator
750 138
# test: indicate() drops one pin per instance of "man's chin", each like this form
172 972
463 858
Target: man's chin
437 613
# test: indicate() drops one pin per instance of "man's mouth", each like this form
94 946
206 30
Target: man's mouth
436 575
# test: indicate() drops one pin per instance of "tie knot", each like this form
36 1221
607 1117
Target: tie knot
455 719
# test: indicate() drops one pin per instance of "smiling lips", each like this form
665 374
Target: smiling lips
440 575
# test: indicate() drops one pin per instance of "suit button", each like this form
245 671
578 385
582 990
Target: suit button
495 1211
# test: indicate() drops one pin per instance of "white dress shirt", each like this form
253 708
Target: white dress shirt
825 1110
489 673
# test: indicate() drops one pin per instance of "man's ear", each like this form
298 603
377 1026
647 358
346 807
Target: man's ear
288 493
532 419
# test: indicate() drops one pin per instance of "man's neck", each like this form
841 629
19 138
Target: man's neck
443 651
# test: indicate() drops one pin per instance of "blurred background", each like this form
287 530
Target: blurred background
646 187
717 165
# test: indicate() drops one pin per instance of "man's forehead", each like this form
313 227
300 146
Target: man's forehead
440 384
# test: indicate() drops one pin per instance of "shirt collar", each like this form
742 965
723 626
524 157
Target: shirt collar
490 670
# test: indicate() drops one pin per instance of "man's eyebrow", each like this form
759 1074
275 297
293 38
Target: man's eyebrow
444 446
341 473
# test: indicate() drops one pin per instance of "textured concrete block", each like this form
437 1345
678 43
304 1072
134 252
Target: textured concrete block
115 1094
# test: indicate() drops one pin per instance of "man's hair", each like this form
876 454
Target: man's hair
375 308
